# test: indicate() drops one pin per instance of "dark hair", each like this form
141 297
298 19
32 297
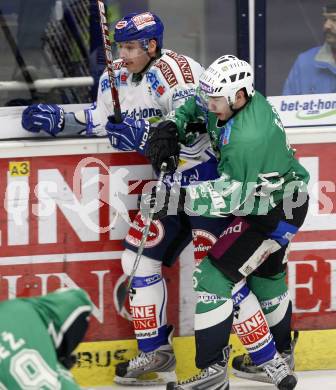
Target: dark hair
330 7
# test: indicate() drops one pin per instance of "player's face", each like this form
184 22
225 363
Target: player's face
134 56
220 107
329 28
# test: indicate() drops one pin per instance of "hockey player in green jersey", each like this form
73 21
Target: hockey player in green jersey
264 187
37 337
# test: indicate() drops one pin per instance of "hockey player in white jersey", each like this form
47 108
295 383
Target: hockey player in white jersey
151 82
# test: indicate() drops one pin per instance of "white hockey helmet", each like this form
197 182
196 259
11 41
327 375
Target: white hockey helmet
225 77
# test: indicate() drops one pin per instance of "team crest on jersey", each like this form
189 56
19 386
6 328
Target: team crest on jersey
155 235
155 83
143 20
167 72
203 241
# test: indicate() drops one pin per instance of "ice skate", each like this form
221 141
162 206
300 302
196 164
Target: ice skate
151 368
243 367
280 373
214 377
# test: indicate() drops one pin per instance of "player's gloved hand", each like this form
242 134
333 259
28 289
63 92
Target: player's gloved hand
46 117
163 202
163 146
130 134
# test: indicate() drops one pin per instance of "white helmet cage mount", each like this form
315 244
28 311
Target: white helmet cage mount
226 76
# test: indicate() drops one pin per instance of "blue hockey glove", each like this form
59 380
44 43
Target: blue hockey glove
130 134
46 117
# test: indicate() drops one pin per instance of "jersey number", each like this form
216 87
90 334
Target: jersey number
32 372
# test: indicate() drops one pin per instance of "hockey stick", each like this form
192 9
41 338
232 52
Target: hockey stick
18 57
109 60
125 288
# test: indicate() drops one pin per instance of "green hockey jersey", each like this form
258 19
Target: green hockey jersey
30 330
257 166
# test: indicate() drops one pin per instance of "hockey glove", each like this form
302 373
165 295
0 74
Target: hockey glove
163 146
130 134
46 117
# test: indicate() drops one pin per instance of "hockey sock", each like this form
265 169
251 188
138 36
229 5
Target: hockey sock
148 302
273 295
250 325
213 318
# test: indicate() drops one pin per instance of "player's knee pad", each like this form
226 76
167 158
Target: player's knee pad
272 293
146 267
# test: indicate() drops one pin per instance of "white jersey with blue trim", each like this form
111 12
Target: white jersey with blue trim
167 83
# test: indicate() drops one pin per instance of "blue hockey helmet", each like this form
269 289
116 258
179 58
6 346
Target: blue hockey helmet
139 27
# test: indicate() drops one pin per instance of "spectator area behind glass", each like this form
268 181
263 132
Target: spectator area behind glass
293 27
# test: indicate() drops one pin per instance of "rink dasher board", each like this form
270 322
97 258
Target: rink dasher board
315 351
39 253
42 254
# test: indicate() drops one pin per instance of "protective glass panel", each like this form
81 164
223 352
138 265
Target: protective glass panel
301 47
51 50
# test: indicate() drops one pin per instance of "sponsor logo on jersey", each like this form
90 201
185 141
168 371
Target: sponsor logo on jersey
253 329
120 79
156 85
167 72
155 235
123 78
183 177
145 113
143 20
232 229
105 84
202 241
184 66
186 93
144 317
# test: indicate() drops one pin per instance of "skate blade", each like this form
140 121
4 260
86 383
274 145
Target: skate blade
251 377
150 379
